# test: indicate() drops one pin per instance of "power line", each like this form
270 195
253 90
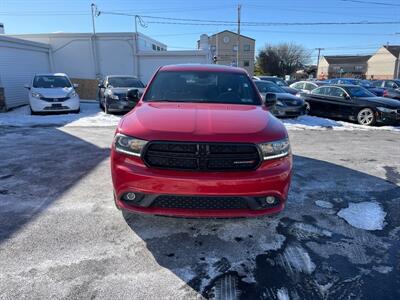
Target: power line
184 21
371 2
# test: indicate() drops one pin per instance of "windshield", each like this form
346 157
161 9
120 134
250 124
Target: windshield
207 87
48 82
268 87
125 82
358 91
366 83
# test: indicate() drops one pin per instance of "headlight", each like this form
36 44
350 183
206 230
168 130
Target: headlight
387 110
72 94
112 96
275 149
279 103
36 95
129 145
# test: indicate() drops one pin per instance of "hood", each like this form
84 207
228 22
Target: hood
290 90
53 92
202 122
386 102
294 100
122 90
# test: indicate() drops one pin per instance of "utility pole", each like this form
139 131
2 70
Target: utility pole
398 63
238 36
94 46
319 53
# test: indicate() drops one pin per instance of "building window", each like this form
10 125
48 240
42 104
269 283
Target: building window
154 47
213 48
358 68
246 63
235 48
246 47
158 48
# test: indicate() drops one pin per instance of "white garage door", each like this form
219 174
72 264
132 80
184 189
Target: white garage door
17 66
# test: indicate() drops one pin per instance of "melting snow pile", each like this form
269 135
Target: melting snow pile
317 123
364 215
90 115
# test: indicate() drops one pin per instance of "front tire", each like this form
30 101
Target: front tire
366 116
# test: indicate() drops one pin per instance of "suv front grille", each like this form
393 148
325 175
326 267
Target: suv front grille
202 156
198 202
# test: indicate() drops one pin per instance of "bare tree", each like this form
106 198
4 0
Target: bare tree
282 59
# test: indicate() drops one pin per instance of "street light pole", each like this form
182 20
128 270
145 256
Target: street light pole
398 62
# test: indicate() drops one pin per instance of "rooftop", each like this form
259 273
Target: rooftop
395 50
347 59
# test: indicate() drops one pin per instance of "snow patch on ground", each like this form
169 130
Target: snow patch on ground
364 215
317 123
296 258
323 204
90 115
282 294
383 269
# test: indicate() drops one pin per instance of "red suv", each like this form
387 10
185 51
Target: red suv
201 143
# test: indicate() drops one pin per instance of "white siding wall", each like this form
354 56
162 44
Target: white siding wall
149 62
115 56
18 64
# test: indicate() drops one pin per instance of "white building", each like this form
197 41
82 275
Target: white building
87 59
19 60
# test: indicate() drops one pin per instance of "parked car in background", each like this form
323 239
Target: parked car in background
392 87
352 102
364 83
52 93
201 143
306 86
286 105
113 91
279 81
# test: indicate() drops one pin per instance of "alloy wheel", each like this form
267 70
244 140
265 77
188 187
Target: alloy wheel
366 117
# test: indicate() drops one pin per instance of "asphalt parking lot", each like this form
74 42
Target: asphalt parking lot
61 236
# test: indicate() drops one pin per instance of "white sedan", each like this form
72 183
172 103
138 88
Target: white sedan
53 93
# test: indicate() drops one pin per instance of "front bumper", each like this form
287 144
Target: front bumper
37 105
120 105
130 174
288 111
388 118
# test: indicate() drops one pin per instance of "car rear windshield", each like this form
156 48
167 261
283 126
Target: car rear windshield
268 87
358 91
202 86
48 82
125 82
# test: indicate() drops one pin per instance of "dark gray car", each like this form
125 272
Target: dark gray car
113 90
392 87
287 105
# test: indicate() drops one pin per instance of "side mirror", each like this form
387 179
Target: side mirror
133 95
270 99
347 97
27 86
76 85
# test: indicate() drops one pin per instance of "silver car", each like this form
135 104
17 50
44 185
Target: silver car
113 91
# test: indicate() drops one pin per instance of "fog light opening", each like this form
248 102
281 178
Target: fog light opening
270 200
130 196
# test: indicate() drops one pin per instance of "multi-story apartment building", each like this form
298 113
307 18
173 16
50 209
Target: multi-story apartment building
224 47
